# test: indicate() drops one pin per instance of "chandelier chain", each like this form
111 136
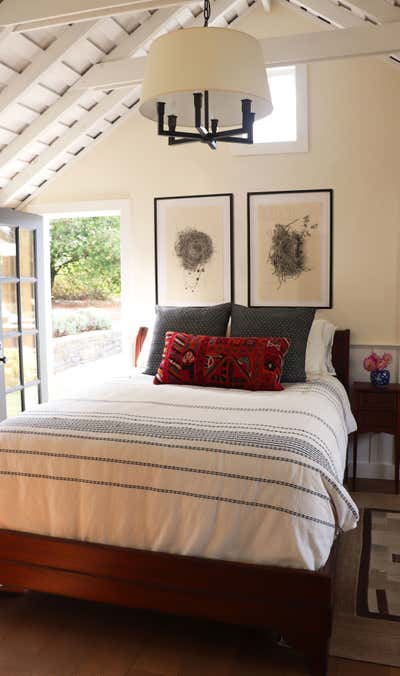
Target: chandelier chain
207 12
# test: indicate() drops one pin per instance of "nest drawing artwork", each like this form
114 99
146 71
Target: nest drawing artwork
288 251
195 249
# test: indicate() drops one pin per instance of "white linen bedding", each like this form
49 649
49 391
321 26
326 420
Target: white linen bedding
227 474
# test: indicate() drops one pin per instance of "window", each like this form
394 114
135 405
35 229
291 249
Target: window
286 129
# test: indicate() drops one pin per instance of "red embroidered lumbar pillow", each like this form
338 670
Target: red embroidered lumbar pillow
214 361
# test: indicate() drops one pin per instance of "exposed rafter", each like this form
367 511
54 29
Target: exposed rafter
337 16
63 143
346 14
377 10
20 84
131 44
24 16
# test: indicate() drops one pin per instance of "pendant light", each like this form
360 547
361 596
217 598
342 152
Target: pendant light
211 82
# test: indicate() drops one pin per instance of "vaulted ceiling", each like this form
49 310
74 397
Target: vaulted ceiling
48 118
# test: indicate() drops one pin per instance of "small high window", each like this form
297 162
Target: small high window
286 129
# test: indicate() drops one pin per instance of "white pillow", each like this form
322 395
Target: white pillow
319 348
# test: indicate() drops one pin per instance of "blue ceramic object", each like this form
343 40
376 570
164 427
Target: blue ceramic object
380 378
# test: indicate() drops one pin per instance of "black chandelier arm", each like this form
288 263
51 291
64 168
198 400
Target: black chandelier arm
173 141
235 139
187 137
180 137
243 134
230 132
182 134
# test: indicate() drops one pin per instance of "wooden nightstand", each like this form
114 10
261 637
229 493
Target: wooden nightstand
377 409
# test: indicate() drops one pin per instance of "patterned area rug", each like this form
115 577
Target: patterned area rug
366 623
379 578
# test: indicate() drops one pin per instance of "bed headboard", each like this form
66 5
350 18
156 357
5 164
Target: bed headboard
340 352
140 338
341 356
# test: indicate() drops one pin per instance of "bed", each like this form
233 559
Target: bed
209 479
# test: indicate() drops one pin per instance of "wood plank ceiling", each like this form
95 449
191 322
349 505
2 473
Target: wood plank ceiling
47 120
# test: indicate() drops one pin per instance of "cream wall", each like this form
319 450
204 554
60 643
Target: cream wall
354 149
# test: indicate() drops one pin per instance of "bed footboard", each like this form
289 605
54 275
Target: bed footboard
297 603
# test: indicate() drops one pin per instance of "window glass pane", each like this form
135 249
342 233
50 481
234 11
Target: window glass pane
11 369
27 253
281 125
8 252
29 358
13 404
28 306
31 397
8 297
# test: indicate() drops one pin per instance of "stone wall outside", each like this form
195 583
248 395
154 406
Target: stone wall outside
70 351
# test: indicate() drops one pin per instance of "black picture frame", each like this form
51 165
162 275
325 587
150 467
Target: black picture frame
250 195
160 200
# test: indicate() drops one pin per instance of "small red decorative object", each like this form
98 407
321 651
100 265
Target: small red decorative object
215 361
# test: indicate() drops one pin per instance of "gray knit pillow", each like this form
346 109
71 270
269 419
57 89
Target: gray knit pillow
204 321
293 323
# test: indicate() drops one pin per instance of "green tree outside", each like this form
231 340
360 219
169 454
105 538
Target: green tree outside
85 258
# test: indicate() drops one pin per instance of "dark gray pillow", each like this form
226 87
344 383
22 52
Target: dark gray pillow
204 321
293 323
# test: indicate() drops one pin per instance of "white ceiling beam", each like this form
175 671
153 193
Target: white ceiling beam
106 105
4 33
113 75
23 15
131 44
140 6
266 5
21 83
363 40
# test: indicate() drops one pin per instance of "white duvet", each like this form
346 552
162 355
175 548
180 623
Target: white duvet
227 474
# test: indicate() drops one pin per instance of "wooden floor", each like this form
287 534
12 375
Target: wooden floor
49 636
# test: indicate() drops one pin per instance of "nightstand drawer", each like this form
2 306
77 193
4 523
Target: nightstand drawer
382 401
370 420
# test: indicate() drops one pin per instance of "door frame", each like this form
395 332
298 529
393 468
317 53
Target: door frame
121 208
33 221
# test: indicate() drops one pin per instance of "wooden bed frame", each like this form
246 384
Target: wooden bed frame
296 603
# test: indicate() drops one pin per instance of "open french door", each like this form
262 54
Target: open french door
22 381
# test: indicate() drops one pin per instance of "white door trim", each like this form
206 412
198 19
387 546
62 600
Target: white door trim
123 208
3 411
34 222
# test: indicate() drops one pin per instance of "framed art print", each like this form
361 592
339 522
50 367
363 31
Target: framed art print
194 249
290 248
